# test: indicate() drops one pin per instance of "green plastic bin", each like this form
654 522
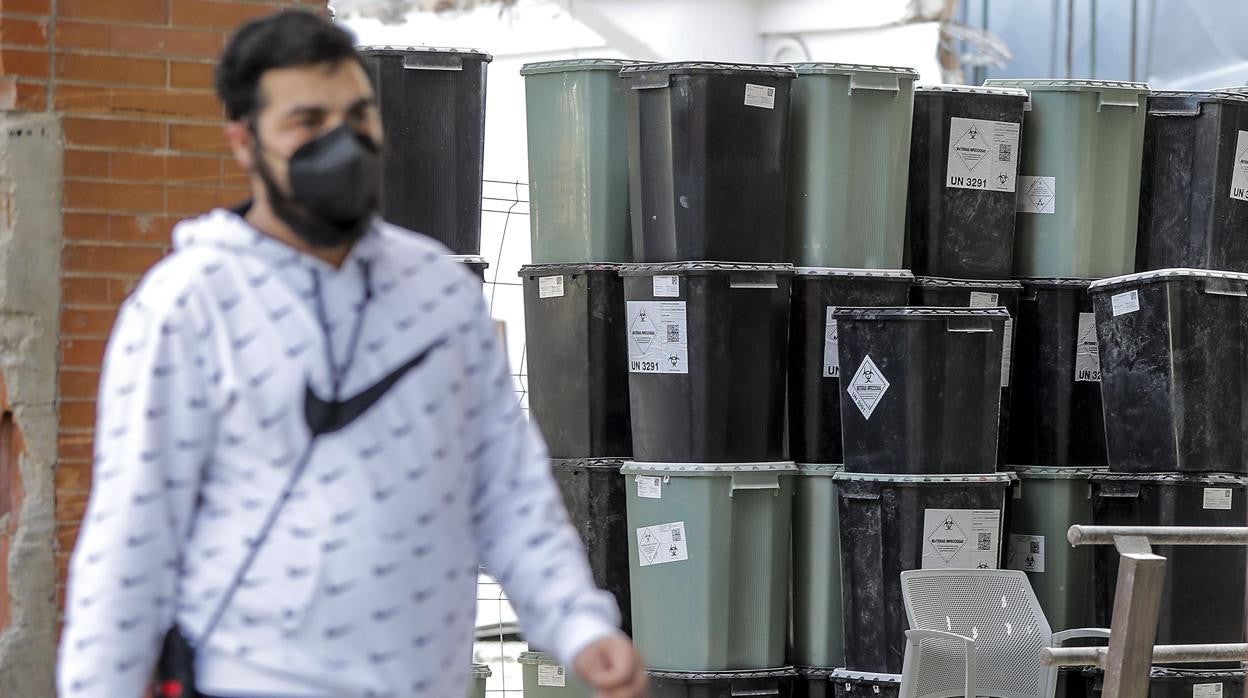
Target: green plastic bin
1079 178
709 563
578 161
849 163
818 634
480 675
1044 504
545 677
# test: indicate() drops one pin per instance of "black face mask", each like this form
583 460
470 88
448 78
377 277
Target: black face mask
335 184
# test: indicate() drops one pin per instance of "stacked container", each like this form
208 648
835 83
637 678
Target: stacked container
710 489
1174 360
575 314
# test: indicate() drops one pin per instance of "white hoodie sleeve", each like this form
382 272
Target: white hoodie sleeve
154 427
523 531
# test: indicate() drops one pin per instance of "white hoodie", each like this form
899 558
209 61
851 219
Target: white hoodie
366 586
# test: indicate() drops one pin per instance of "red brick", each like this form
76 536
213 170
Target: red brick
194 200
83 35
109 259
112 70
26 7
77 414
197 139
113 196
190 75
70 506
135 11
81 353
22 94
31 64
100 227
74 448
114 132
74 476
87 322
66 536
77 384
86 163
23 32
167 42
136 102
93 290
214 13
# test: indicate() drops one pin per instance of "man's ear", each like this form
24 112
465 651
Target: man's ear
239 138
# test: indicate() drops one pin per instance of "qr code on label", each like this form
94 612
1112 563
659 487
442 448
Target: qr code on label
1035 547
673 334
1004 152
676 536
985 541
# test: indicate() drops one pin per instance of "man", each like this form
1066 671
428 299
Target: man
307 439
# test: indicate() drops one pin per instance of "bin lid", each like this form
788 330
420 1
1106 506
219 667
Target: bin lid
481 671
917 313
1164 275
1193 479
577 65
1056 472
970 90
1175 103
574 463
819 469
1002 477
702 268
535 270
942 282
812 68
701 469
1057 283
775 70
780 672
421 54
851 675
1055 85
846 272
536 658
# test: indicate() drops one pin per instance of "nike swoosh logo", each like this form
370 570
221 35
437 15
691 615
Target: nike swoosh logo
329 416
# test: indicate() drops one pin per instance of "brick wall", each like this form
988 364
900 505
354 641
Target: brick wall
132 80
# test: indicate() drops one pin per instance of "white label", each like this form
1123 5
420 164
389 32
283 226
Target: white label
550 287
831 357
760 96
1037 194
660 544
1006 353
551 675
1208 690
667 287
982 154
658 337
979 299
649 487
961 538
1026 553
1087 352
1218 498
1125 303
1239 175
868 387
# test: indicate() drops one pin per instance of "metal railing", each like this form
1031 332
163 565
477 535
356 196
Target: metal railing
1129 658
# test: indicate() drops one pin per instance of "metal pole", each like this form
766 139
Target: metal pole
1159 535
1135 30
1170 654
1070 38
1137 600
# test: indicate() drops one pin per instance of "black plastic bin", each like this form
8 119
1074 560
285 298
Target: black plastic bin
476 263
593 492
1202 600
960 293
708 354
1056 417
432 105
827 683
777 683
887 523
708 148
578 359
1180 683
964 150
814 363
1194 182
1174 370
920 389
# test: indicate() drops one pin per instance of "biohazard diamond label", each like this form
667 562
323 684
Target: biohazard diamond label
1239 175
867 387
970 147
1037 194
983 154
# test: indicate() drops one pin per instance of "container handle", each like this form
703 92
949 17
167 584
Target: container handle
433 61
1225 287
1118 98
1194 111
649 81
753 280
875 82
1129 490
754 481
969 324
735 691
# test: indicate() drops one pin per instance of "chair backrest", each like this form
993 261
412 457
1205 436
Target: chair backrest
996 608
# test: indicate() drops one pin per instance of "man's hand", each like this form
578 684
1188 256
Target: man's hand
612 668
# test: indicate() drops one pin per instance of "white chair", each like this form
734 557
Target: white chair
977 628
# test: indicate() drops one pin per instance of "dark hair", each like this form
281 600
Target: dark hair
285 39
